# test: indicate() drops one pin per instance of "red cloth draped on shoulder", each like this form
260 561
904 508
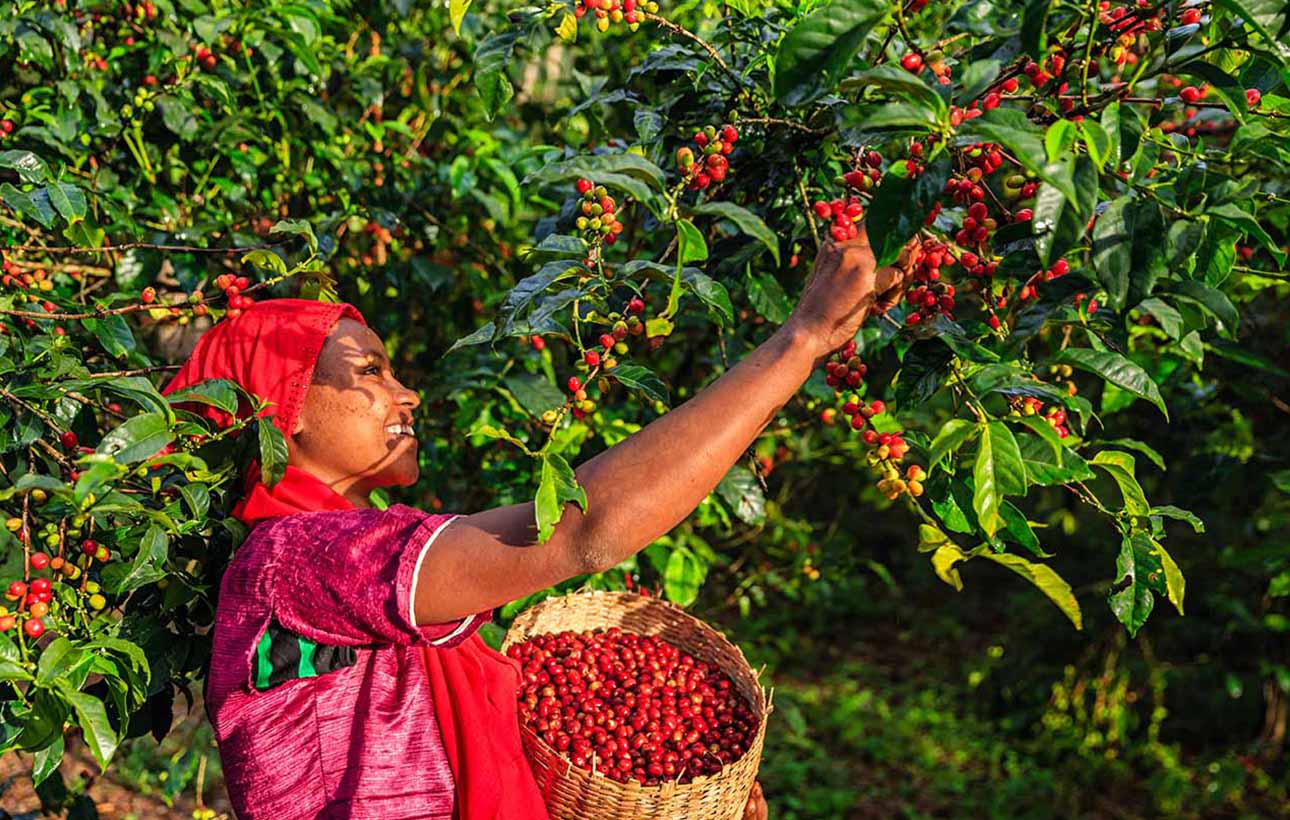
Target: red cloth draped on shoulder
270 350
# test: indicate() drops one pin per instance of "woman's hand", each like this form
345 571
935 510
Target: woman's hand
756 808
844 287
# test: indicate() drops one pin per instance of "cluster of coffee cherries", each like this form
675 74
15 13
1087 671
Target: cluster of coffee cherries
598 360
34 596
710 165
631 707
1131 23
631 12
1054 415
598 218
929 294
893 485
845 213
232 286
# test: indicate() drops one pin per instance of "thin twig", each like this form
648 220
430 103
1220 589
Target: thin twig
704 44
139 246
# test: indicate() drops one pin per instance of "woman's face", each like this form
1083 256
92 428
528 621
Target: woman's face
355 430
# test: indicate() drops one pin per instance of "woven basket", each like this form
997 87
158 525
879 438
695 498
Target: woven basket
572 793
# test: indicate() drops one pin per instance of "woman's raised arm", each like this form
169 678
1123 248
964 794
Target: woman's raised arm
645 485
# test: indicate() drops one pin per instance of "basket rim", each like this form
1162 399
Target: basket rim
763 707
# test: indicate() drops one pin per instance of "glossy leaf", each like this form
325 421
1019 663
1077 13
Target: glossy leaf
817 51
1117 370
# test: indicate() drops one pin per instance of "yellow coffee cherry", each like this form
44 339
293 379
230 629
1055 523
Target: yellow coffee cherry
92 587
915 488
97 602
13 524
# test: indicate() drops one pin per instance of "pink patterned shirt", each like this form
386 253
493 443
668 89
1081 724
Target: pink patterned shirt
317 690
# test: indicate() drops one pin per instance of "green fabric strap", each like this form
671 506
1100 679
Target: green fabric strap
306 668
263 667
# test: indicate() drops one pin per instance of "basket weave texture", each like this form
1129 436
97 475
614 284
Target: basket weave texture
572 793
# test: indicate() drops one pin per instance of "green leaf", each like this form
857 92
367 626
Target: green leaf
56 659
1243 220
43 722
296 227
1034 26
740 490
1171 321
1170 511
931 538
684 574
489 431
819 49
768 298
535 393
492 56
899 207
897 81
45 762
691 246
998 472
630 172
1175 583
640 378
1269 18
218 393
113 333
34 205
1214 301
1017 528
273 452
137 438
147 566
31 168
712 293
457 12
557 486
953 435
92 718
1113 251
1117 370
1137 446
267 259
944 560
745 220
1044 577
1121 467
1138 571
68 200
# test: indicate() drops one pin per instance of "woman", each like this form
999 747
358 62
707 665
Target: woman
347 679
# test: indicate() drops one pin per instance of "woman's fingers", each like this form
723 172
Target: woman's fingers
756 809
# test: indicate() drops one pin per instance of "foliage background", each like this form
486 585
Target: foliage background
894 698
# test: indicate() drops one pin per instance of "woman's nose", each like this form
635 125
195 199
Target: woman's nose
408 398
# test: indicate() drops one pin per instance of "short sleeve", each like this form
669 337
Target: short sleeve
347 578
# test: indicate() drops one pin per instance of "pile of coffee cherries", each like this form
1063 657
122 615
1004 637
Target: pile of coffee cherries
598 219
631 707
714 145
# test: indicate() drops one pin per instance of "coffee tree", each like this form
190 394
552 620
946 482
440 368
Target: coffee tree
1091 197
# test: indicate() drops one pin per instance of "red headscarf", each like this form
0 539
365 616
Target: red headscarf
270 350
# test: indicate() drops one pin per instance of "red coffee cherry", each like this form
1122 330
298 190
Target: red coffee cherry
39 560
1252 97
912 62
34 627
69 440
89 546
